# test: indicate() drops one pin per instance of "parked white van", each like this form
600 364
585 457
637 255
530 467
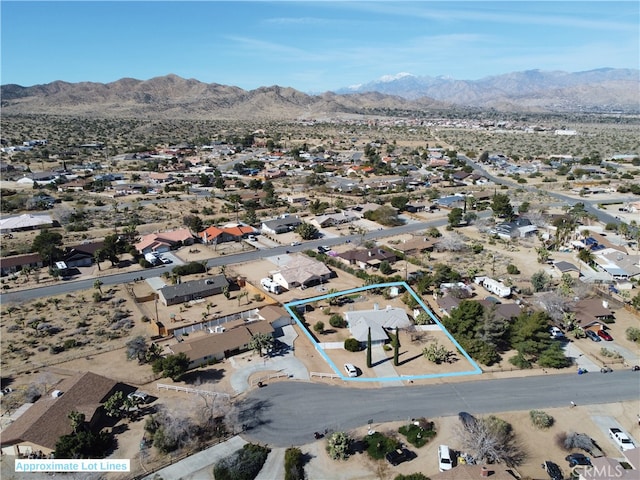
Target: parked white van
444 458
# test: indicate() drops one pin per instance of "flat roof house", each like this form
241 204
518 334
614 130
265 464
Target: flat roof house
193 290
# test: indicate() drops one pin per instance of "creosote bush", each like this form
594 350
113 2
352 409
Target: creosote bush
541 419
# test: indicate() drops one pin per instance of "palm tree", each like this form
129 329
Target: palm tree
260 342
585 255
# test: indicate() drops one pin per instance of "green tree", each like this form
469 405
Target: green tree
539 281
501 206
455 217
97 284
400 202
543 254
586 256
112 246
385 267
319 327
250 217
553 357
307 231
293 464
193 223
396 348
113 405
46 244
84 444
172 366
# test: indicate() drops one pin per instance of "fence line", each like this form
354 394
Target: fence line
178 388
269 377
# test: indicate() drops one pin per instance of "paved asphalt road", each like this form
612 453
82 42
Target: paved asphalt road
75 285
287 413
591 206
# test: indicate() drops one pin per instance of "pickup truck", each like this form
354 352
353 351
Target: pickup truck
622 439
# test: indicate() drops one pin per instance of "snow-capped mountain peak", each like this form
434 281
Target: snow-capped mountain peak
397 76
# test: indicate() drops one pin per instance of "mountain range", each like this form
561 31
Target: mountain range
171 96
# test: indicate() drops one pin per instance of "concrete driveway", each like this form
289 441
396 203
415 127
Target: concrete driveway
200 465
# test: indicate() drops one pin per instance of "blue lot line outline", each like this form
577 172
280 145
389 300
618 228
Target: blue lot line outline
288 306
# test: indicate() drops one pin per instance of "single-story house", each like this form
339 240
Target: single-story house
606 468
447 304
44 422
379 321
415 207
26 221
16 263
366 258
506 311
329 220
81 255
216 346
303 272
277 316
164 241
592 312
451 201
415 245
229 233
618 265
281 225
520 227
193 290
567 267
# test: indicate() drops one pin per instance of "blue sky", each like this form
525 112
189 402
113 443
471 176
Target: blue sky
311 46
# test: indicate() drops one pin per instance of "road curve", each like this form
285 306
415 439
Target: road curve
287 413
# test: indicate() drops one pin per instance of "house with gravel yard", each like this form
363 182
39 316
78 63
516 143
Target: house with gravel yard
302 272
193 290
379 321
38 427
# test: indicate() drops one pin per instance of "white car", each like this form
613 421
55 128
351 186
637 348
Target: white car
293 244
351 370
138 397
444 458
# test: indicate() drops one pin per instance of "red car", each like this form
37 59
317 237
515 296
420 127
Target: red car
604 335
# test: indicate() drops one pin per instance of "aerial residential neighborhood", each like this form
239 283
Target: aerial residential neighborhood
316 288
